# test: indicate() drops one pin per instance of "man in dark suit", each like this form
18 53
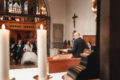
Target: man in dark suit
17 51
78 46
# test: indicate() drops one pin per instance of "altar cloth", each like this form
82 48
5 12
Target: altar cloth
29 73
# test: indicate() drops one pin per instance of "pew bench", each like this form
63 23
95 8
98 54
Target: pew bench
62 65
91 72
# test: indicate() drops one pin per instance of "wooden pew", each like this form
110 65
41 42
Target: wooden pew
91 72
62 65
91 38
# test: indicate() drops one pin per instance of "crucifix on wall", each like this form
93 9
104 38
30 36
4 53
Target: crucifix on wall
74 17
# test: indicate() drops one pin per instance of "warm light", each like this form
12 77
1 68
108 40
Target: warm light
3 26
43 8
41 26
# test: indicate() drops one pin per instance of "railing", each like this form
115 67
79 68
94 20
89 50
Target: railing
13 25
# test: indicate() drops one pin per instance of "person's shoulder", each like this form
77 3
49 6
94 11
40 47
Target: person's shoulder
14 45
25 45
79 39
76 40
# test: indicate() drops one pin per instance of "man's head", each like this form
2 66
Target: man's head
20 42
76 35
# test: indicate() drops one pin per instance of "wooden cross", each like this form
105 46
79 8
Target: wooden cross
74 17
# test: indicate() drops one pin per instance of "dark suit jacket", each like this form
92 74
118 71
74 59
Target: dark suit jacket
78 47
17 49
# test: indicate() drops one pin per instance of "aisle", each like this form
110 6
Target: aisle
28 73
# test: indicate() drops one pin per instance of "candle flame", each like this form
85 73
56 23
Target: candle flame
43 8
41 26
3 26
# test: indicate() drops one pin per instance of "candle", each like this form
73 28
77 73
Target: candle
4 53
42 53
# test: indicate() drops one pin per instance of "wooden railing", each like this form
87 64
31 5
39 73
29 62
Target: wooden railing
91 38
13 25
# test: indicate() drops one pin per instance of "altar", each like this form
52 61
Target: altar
29 73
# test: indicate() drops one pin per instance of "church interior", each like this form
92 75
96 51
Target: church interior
59 40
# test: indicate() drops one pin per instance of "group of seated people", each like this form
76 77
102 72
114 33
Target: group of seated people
24 52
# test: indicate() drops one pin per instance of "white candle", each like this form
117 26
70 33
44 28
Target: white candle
4 53
42 53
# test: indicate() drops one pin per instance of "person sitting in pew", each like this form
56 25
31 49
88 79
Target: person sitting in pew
29 57
17 51
90 46
78 46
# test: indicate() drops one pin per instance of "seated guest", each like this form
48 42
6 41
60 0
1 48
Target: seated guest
78 46
69 45
29 56
34 46
17 51
69 42
12 45
89 46
65 44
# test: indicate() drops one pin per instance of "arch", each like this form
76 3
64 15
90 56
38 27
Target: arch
47 7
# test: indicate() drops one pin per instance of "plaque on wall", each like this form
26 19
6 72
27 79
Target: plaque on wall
57 35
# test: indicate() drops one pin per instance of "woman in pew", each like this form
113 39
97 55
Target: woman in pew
90 46
29 57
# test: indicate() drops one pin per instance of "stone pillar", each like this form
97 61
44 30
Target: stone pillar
110 39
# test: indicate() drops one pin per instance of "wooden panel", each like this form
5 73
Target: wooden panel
110 39
14 25
57 35
1 5
24 35
31 7
13 35
57 32
91 38
62 65
27 30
